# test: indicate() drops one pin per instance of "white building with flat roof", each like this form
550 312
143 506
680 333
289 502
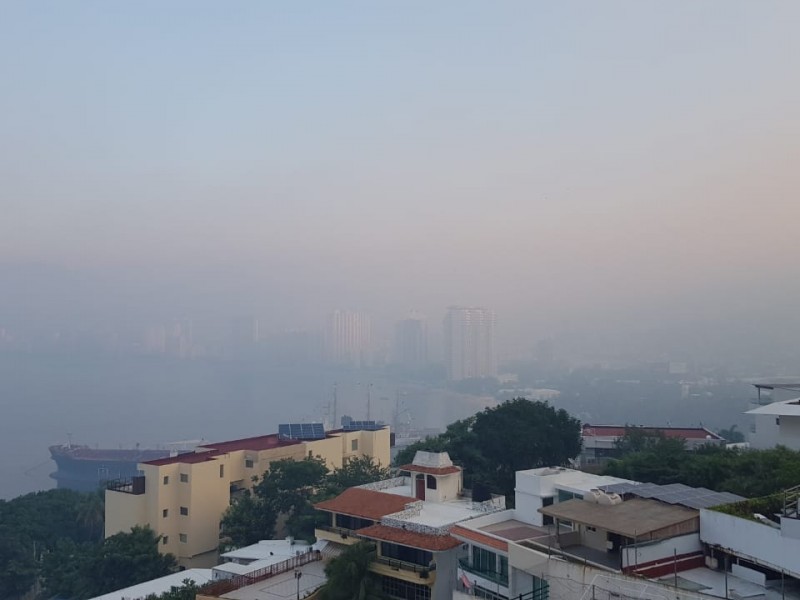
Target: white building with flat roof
537 488
776 424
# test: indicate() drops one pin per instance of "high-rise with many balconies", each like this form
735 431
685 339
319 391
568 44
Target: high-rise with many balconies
348 338
469 343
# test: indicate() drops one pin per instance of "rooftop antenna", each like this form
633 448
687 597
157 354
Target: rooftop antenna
369 401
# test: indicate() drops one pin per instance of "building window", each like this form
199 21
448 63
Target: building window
353 445
165 540
165 513
405 590
184 478
352 523
183 538
166 479
184 511
406 554
248 463
483 560
504 567
222 470
431 482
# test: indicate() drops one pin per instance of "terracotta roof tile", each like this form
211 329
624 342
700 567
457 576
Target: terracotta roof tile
479 537
208 451
423 541
367 504
688 433
431 470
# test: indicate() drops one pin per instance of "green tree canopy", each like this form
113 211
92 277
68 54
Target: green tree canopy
496 442
749 473
35 524
86 570
349 577
290 489
356 471
249 518
187 591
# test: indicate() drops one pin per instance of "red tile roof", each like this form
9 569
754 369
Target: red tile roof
431 470
687 433
423 541
208 451
367 504
479 537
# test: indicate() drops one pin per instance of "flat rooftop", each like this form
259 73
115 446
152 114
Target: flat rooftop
785 408
436 514
514 530
209 451
631 518
156 587
267 549
569 479
283 586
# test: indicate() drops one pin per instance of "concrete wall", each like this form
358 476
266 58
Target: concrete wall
790 432
641 554
123 512
766 434
446 573
594 539
758 543
573 581
772 431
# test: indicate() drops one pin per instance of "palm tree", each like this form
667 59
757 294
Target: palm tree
349 577
91 514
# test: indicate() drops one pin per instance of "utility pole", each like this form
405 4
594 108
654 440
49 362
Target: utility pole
297 576
369 400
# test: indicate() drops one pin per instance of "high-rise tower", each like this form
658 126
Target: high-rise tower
411 342
469 344
348 338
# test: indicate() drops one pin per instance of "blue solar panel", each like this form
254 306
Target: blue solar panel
362 426
302 431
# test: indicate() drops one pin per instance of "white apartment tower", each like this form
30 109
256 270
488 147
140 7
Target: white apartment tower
348 338
469 346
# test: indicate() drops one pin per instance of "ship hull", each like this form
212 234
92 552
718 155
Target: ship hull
86 469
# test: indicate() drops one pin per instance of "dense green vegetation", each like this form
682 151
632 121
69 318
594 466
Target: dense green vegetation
90 569
54 539
290 489
749 473
187 591
35 525
349 577
496 442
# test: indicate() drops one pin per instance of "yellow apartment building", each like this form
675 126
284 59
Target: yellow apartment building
183 497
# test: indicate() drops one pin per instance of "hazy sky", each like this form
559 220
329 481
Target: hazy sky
590 162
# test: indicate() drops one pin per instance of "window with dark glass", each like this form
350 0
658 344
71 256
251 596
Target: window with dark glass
405 590
483 560
431 482
406 554
348 522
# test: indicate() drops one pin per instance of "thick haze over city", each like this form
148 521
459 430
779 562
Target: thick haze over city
615 180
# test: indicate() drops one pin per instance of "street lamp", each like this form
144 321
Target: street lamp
297 576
